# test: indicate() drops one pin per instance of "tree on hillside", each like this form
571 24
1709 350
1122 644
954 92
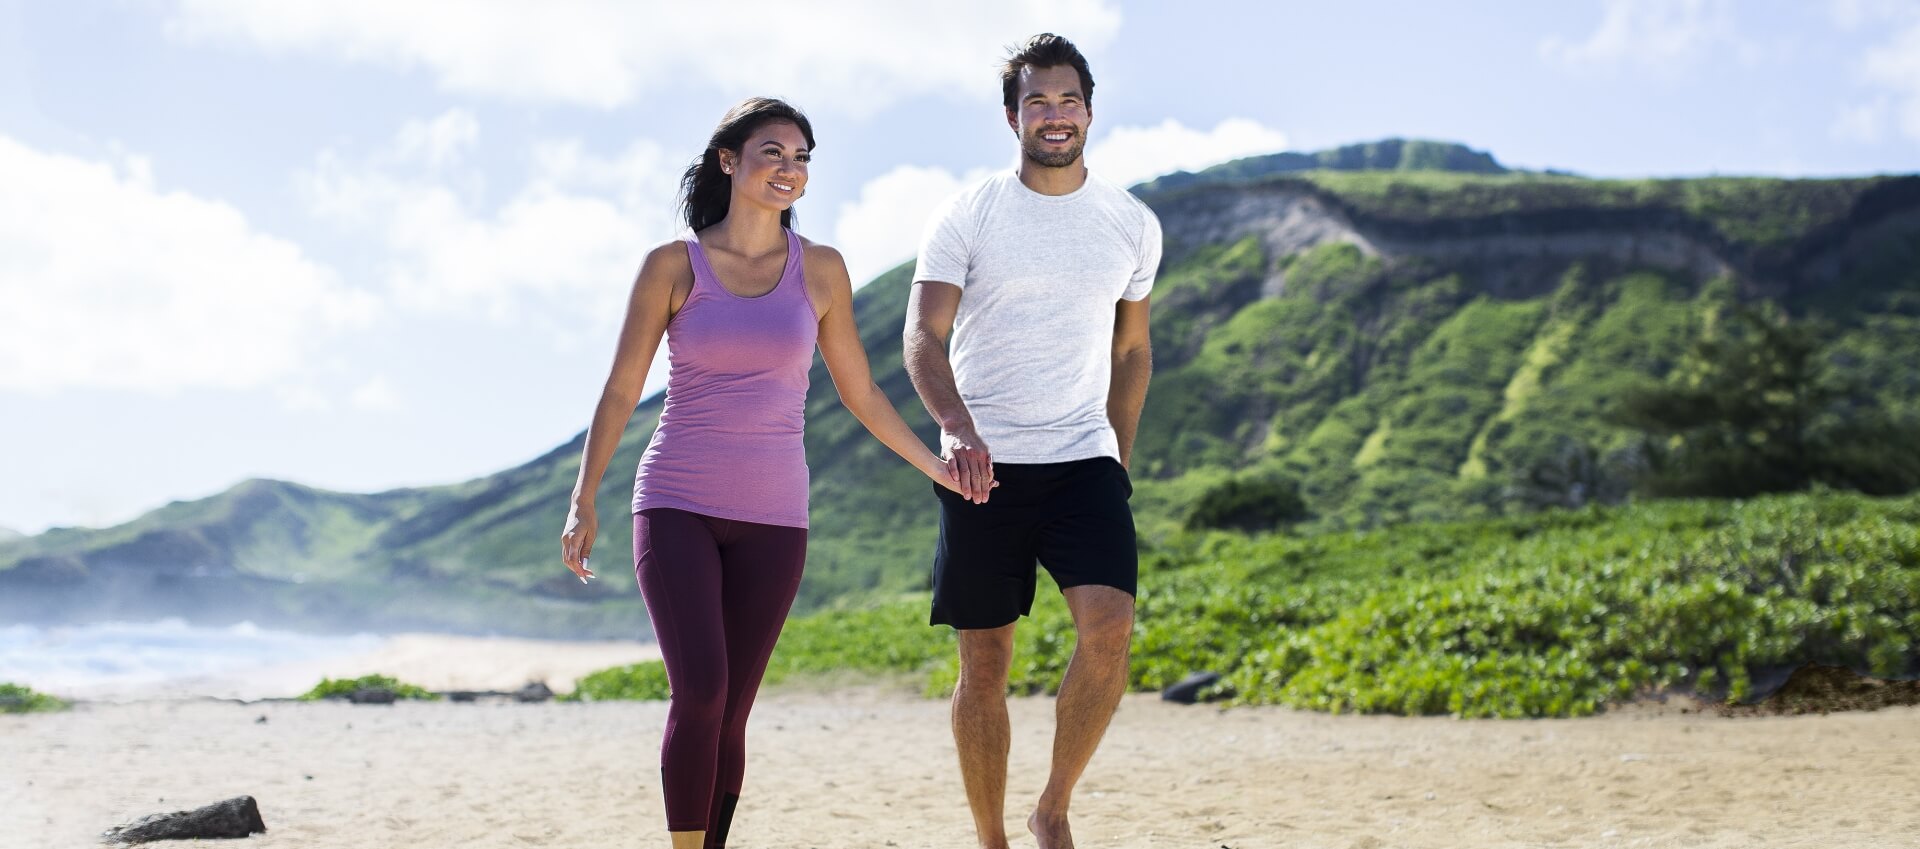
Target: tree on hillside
1756 408
1250 503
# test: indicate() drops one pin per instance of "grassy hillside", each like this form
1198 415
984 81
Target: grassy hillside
1445 346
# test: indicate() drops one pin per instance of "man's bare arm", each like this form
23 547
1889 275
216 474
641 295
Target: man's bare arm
930 311
1132 369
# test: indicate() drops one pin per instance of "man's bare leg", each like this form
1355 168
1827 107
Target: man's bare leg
1095 680
981 731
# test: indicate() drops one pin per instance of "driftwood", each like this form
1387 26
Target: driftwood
236 817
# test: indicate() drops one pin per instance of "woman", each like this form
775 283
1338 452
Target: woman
720 499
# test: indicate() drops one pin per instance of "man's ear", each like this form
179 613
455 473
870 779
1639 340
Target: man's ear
1013 121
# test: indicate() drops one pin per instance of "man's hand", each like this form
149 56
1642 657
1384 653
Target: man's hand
969 462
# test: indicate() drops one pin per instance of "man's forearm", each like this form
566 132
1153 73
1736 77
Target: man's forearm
932 375
1126 395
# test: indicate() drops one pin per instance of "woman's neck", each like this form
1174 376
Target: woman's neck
747 231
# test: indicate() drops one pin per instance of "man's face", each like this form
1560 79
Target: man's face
1051 115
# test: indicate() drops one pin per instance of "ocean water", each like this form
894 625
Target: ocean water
165 658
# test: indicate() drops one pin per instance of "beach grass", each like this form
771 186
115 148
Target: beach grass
329 688
17 698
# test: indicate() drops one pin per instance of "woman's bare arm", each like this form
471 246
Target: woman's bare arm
664 277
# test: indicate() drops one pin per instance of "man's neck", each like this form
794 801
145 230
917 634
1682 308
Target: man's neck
1053 181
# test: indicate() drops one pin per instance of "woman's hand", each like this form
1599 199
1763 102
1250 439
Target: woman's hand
942 473
576 542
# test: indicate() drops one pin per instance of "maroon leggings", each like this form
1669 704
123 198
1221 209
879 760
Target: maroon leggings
718 591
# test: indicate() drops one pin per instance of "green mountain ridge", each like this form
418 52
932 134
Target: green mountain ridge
1405 344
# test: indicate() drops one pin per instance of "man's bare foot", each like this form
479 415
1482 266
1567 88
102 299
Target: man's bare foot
1051 830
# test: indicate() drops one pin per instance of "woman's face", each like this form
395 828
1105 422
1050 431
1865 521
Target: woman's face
770 169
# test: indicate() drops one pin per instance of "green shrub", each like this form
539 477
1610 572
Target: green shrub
17 698
646 681
341 687
1248 504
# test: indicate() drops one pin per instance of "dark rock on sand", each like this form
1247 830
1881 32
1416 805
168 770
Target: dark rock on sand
534 691
1187 690
372 696
233 818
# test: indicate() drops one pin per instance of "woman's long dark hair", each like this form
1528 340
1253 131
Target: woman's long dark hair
705 191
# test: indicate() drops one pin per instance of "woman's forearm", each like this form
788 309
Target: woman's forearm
610 420
876 412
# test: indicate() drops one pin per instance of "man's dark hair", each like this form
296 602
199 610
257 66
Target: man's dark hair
1045 50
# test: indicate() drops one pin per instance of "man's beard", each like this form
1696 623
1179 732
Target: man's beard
1036 149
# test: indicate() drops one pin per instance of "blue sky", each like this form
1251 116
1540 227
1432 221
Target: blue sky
364 244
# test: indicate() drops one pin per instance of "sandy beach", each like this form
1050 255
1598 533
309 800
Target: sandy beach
874 767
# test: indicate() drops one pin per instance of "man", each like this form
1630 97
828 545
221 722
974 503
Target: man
1041 277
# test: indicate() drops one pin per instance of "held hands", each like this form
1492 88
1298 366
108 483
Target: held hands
969 464
576 542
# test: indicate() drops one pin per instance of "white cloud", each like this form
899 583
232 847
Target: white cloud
1851 14
302 398
568 240
1895 66
1864 122
856 54
377 394
439 142
107 281
1131 154
1657 34
1891 67
882 227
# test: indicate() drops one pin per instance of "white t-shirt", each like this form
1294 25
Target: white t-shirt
1032 343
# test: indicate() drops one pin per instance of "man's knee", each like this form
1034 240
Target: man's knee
1102 617
986 656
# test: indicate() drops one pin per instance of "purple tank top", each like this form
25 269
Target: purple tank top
729 440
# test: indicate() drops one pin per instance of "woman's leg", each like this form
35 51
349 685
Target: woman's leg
677 561
759 578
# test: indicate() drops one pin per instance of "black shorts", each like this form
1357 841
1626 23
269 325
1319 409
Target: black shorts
1072 517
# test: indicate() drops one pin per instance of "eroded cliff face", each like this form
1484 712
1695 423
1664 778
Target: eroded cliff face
1523 253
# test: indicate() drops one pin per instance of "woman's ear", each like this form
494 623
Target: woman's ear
726 161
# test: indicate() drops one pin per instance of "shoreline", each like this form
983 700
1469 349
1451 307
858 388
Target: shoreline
438 662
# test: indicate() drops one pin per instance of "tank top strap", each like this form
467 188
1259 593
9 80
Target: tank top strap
702 269
796 275
793 257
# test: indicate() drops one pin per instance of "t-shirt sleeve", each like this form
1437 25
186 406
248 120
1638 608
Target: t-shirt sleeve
944 253
1142 281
